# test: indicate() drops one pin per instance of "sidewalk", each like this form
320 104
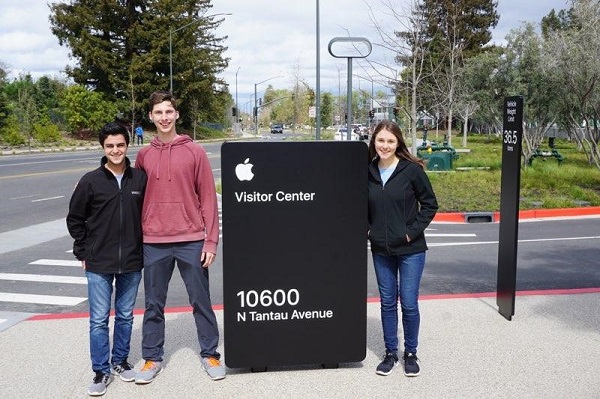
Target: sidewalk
551 349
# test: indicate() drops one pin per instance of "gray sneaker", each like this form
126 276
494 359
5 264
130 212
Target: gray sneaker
147 374
99 384
124 370
213 368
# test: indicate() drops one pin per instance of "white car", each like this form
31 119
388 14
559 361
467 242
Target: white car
342 134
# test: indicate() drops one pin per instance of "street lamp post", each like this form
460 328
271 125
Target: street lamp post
171 31
255 110
237 110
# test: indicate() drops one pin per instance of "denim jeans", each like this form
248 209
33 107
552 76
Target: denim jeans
100 288
399 276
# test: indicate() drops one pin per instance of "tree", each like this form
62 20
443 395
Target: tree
410 50
483 82
572 52
122 50
456 30
4 111
86 110
326 110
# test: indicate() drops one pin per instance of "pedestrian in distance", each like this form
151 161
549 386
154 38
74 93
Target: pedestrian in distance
180 226
401 205
104 220
139 133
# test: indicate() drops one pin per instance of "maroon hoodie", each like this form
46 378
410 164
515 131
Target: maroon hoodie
180 203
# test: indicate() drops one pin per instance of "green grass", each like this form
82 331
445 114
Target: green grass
544 184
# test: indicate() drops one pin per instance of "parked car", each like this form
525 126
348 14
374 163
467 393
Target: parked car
342 134
277 128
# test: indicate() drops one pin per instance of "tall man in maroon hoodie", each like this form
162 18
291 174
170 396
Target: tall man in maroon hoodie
180 226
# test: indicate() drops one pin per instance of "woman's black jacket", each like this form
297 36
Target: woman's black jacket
105 221
404 206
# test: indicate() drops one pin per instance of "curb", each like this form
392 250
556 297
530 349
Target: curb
462 217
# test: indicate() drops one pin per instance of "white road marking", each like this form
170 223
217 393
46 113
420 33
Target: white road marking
56 262
41 299
453 244
48 199
42 278
450 235
25 196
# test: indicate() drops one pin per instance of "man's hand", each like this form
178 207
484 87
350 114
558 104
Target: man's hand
83 264
207 258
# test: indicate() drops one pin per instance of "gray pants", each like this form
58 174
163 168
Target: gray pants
159 262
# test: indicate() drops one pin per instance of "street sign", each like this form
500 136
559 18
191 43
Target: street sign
510 183
294 253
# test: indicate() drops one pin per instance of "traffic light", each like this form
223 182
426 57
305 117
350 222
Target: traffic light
395 111
255 112
372 114
233 111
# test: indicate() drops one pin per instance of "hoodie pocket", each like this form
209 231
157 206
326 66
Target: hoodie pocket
166 219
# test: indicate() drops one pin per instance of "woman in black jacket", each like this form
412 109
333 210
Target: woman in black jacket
401 205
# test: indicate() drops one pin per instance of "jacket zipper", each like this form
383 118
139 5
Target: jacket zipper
121 225
387 248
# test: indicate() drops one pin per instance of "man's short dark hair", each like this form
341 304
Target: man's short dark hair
159 96
113 129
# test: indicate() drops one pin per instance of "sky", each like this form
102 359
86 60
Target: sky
267 44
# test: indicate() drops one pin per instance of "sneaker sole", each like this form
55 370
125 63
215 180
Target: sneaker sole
113 372
100 393
411 374
144 382
126 379
379 372
214 378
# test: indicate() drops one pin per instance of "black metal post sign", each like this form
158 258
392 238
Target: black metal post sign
512 136
294 253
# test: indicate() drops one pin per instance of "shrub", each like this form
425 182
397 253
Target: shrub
10 133
46 133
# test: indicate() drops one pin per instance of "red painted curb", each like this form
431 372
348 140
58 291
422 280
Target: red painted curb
184 309
460 217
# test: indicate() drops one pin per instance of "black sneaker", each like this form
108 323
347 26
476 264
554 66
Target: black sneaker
411 367
389 362
99 384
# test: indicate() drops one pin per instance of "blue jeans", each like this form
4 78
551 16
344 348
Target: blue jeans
399 276
100 288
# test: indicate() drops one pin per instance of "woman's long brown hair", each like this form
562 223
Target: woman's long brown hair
401 151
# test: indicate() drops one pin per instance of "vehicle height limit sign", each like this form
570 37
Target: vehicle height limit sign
512 135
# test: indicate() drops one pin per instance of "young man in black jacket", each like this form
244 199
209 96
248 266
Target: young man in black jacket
105 221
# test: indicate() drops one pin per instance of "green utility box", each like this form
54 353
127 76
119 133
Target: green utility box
437 160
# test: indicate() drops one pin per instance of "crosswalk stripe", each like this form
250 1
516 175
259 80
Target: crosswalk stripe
43 278
41 299
56 262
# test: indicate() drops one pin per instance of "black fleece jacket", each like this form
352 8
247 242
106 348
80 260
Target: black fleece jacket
105 221
404 206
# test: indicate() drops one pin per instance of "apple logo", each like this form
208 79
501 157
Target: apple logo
243 171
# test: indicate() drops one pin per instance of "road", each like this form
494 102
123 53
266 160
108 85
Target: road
38 273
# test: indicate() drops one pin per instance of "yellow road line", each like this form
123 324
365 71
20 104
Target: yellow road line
46 173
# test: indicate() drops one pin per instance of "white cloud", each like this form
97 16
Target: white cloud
264 40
